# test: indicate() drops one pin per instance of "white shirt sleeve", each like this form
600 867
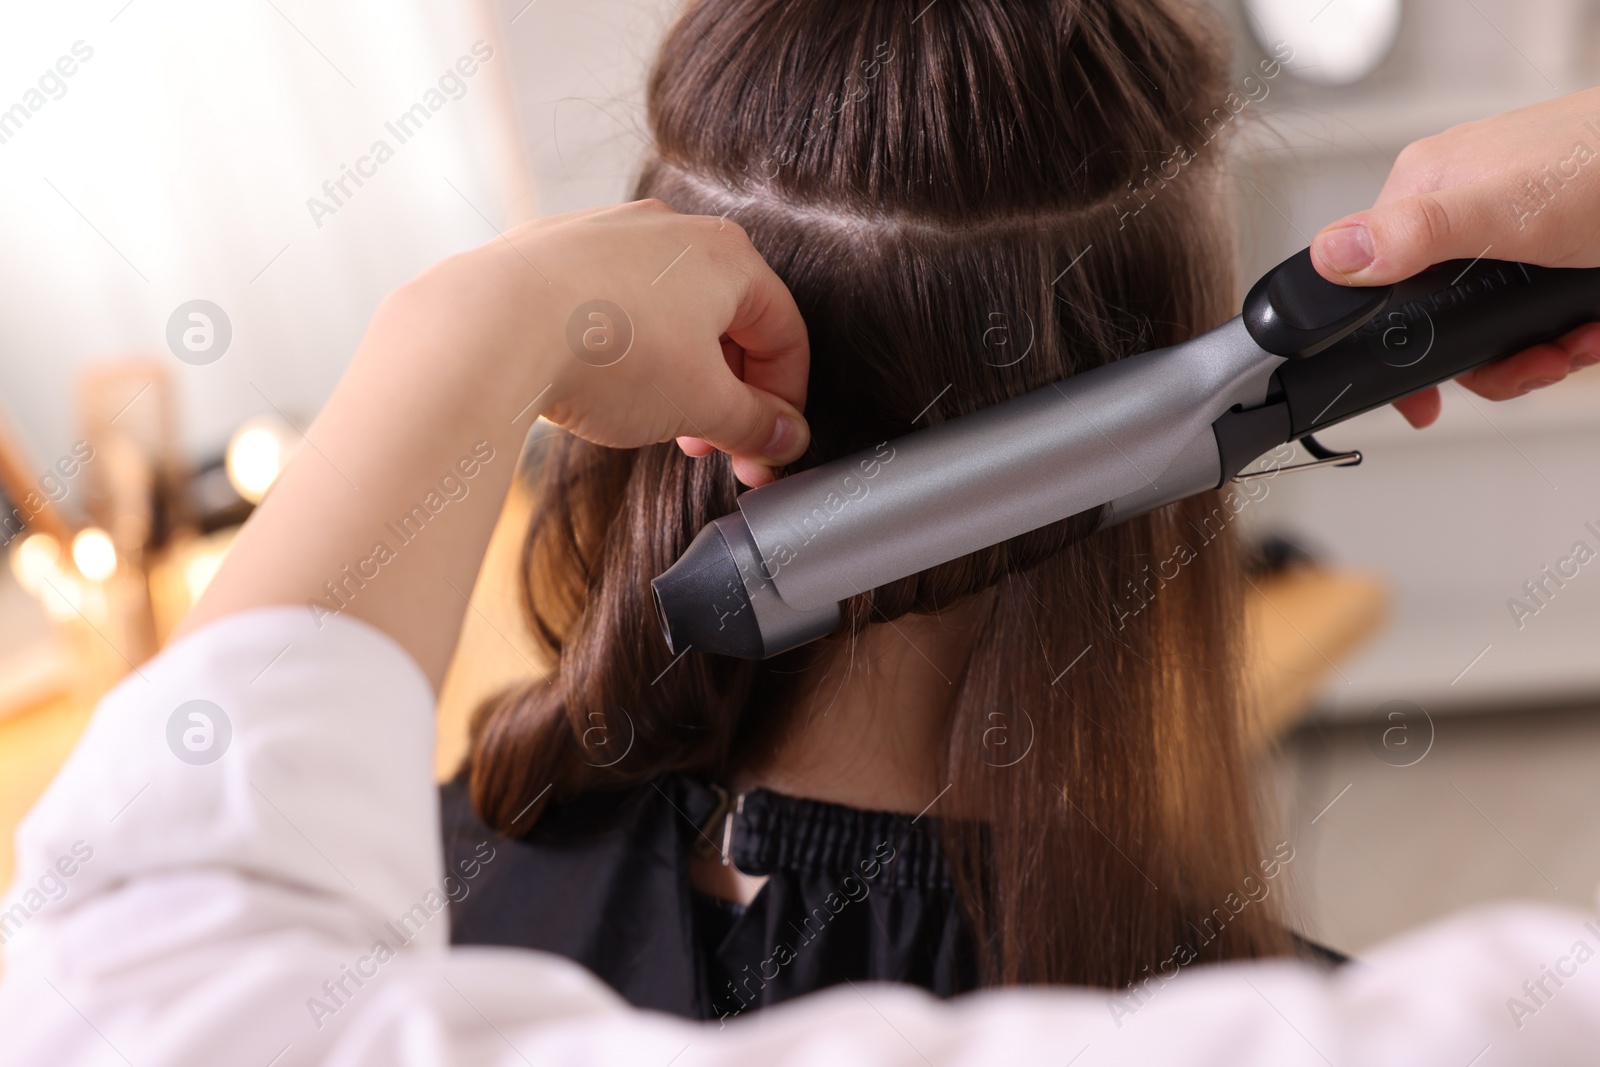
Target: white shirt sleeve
263 886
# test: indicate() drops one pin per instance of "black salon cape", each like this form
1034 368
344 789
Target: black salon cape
851 895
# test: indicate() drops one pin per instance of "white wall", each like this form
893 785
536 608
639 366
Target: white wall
581 67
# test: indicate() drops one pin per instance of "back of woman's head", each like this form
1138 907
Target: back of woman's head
968 201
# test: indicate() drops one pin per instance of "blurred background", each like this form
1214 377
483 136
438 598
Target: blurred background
204 203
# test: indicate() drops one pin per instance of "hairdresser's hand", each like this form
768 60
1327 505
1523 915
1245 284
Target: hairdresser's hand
645 324
1475 190
424 429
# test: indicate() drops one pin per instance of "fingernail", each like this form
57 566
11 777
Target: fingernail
1535 383
786 436
1347 249
1584 359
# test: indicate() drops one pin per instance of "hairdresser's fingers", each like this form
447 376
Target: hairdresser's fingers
1536 367
1506 379
1520 186
696 446
1392 241
759 430
752 411
699 447
1584 344
770 349
1421 409
1518 375
718 352
1531 369
1404 237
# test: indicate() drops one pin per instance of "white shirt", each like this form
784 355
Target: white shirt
232 913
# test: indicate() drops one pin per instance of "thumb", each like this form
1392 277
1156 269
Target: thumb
751 424
1403 237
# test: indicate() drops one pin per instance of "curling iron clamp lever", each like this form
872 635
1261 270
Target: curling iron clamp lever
1322 456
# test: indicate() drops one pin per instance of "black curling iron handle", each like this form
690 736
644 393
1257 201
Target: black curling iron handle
1427 329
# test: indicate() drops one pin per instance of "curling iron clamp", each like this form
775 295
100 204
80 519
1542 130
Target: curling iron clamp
1126 437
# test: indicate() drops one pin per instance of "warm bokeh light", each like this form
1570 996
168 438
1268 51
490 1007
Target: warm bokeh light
94 554
63 596
257 454
40 567
35 560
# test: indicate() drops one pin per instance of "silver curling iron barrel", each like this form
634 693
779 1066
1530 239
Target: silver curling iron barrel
1125 438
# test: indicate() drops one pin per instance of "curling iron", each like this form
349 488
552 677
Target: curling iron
1126 437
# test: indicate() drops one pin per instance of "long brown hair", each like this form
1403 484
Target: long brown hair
968 202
